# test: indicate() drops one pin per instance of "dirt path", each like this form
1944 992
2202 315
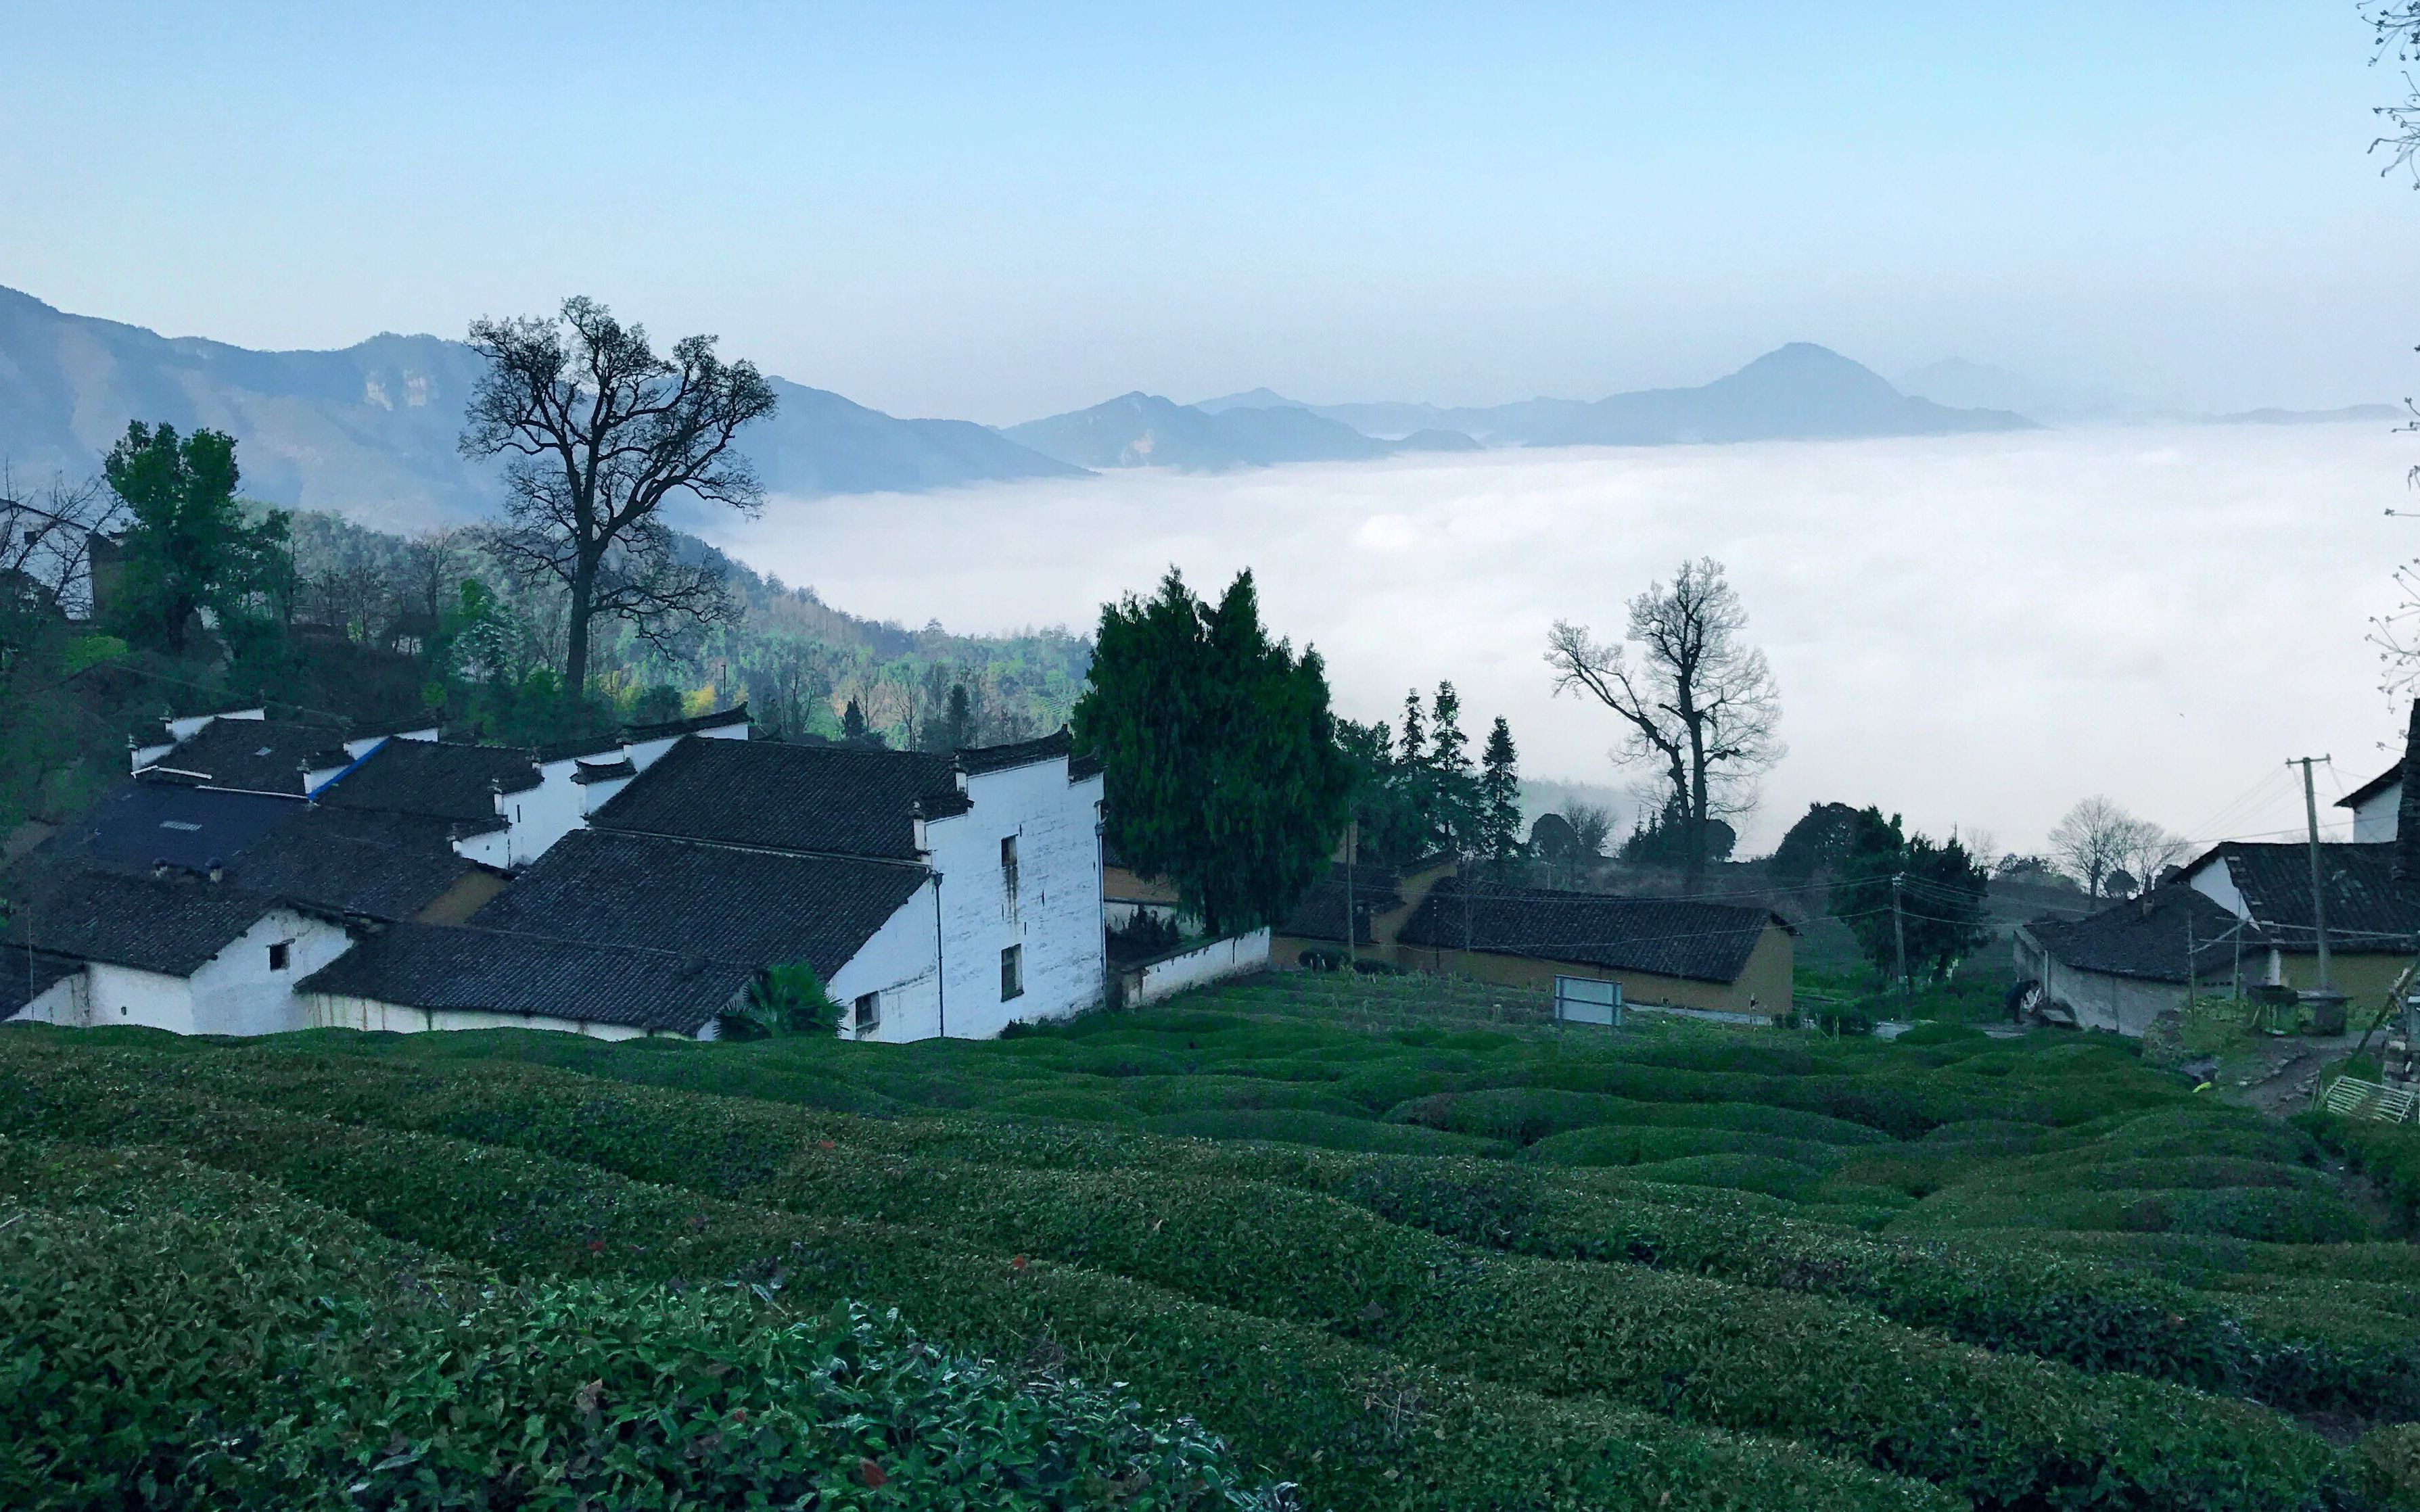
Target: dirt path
2279 1075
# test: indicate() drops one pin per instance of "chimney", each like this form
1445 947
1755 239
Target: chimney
218 869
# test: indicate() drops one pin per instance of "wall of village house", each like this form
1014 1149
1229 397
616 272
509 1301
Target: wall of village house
540 816
66 1001
2123 1005
1765 979
235 992
901 963
338 1011
1211 960
1055 918
2373 819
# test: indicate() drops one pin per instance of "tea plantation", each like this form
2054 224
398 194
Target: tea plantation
1298 1243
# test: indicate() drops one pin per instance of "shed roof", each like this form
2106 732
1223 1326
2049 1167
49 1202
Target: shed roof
2145 938
1320 915
1665 936
2372 788
442 780
745 907
173 925
255 755
463 969
833 800
2365 909
25 975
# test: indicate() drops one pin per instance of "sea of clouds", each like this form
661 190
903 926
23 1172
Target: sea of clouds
1975 631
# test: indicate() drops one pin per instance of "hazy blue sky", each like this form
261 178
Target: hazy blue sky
999 211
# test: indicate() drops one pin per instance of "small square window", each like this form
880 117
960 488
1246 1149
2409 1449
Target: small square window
1012 973
865 1013
280 955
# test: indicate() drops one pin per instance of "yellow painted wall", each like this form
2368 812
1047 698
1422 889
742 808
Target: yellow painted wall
1766 978
2365 978
1120 885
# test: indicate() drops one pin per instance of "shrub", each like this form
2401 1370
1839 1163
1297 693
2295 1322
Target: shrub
234 1355
2001 1430
1640 1145
1361 1427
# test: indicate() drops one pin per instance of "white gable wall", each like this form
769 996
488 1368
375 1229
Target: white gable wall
901 963
235 992
540 816
1055 916
2373 817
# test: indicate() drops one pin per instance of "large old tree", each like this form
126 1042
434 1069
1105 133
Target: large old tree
599 433
1699 703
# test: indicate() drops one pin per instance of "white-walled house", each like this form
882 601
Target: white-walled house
256 876
933 894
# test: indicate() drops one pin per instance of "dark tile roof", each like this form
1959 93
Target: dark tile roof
441 780
172 925
140 822
1320 915
2372 788
751 908
256 755
587 772
2146 938
25 975
2365 909
721 720
836 800
973 759
354 861
479 970
585 746
1668 937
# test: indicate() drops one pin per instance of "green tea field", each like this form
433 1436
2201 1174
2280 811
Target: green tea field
1298 1243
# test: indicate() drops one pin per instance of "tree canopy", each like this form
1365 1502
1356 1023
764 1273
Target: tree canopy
1936 887
1821 839
599 433
188 548
1219 752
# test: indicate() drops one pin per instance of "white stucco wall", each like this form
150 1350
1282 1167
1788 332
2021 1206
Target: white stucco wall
490 847
1237 955
1055 915
902 964
235 992
333 1010
2212 880
537 817
66 1001
2373 819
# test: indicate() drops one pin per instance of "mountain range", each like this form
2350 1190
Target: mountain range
369 431
1800 392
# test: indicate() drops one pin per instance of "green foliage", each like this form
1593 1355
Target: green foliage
784 999
1937 888
1499 795
1823 837
1662 839
1219 752
186 1338
188 547
1360 1427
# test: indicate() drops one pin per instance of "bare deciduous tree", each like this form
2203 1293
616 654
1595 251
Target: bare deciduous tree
2099 840
1700 704
600 432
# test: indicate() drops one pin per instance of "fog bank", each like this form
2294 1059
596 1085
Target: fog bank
1975 631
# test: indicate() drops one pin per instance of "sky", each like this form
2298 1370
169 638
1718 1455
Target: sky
1975 631
998 212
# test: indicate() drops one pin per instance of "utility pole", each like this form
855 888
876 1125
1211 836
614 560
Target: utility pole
2319 884
1898 928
